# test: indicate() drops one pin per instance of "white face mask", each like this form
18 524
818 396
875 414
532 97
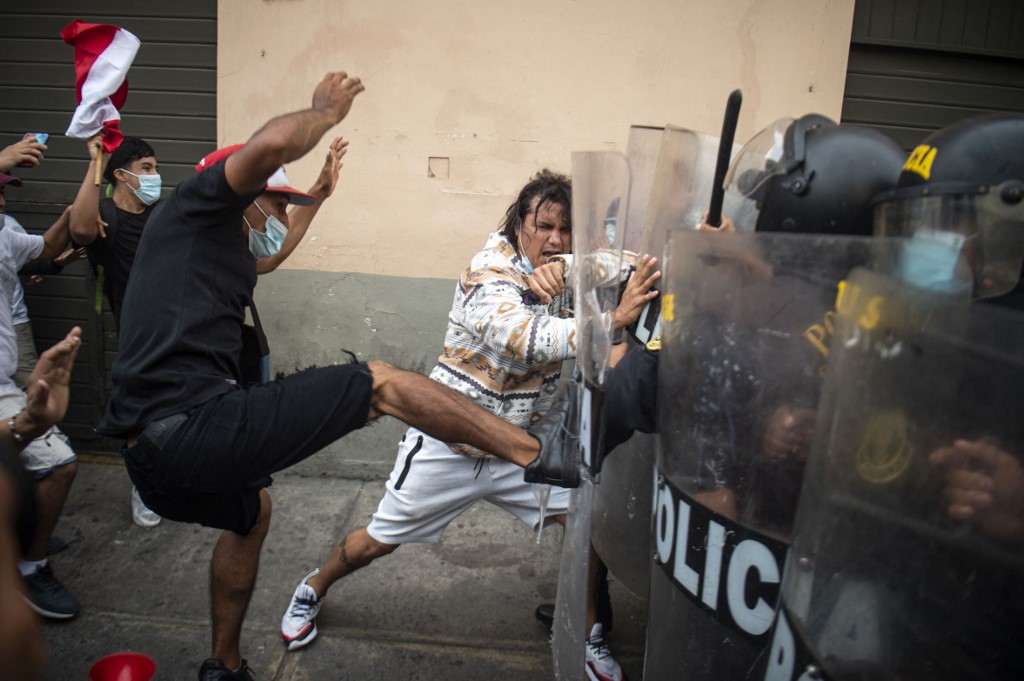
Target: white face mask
149 187
268 243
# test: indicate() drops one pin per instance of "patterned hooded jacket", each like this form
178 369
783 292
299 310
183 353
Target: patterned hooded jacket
503 349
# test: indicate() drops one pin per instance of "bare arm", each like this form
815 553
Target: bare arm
301 217
55 239
85 211
291 136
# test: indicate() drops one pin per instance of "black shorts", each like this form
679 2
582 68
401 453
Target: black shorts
210 464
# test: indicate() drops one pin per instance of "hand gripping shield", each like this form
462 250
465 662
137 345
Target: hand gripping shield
889 577
747 324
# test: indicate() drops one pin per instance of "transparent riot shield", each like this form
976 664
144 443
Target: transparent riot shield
671 170
908 552
624 497
747 326
600 181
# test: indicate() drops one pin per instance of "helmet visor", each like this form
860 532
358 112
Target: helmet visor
750 173
975 239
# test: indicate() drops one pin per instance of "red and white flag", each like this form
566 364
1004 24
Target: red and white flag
103 54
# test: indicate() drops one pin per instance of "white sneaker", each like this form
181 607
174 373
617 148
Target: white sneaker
142 514
298 626
600 665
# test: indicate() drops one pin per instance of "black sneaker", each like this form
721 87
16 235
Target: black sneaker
545 614
214 670
48 597
558 462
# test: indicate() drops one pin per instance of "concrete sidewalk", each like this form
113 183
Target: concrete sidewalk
458 610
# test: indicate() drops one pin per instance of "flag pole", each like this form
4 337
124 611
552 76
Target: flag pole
99 165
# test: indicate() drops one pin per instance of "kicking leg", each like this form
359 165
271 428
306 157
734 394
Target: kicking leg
446 415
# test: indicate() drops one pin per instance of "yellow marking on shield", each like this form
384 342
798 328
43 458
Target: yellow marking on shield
884 451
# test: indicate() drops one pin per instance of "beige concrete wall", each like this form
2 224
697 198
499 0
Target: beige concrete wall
501 89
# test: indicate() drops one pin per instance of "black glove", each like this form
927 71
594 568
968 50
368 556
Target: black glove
558 462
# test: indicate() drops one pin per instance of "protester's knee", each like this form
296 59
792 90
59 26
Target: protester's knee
385 379
262 525
378 549
62 476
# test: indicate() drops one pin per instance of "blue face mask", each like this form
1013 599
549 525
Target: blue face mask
268 243
929 260
149 187
609 230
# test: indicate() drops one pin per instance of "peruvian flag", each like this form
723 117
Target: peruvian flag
103 54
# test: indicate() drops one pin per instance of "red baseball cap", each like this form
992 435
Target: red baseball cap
278 182
6 179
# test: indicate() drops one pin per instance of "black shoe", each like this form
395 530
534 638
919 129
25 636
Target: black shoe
214 670
558 462
545 614
48 597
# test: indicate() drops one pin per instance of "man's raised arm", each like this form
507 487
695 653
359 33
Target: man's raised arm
290 137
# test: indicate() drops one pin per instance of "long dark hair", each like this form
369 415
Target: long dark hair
550 187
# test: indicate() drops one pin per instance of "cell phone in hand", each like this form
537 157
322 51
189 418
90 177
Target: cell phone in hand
39 137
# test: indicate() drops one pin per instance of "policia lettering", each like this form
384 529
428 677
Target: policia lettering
730 570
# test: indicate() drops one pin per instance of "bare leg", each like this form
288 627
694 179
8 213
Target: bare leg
358 549
51 493
233 570
446 415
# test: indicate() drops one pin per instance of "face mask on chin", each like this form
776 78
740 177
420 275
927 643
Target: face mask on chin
268 243
149 187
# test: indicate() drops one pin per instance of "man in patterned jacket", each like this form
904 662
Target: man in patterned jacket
503 349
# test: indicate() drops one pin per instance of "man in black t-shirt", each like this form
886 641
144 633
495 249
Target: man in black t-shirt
201 448
111 228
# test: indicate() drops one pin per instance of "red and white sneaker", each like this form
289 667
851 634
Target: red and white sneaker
298 626
600 665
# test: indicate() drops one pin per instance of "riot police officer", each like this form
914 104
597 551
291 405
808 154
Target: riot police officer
907 559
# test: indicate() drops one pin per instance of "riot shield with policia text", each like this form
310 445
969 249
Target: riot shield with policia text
747 321
908 552
600 179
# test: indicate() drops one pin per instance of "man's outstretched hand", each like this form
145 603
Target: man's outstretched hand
49 386
25 151
328 178
335 94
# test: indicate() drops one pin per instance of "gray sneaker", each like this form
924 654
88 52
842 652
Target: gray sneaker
48 597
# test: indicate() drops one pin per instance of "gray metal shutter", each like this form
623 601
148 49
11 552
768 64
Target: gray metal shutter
172 103
918 65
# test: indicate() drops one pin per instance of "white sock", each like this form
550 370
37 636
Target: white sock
27 567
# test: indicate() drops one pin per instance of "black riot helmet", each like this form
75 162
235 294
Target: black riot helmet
812 176
960 203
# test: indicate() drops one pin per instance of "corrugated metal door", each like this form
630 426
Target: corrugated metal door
919 65
171 103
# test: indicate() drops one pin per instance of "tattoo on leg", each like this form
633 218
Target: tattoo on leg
350 566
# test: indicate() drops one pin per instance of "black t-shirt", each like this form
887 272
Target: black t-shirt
116 252
181 322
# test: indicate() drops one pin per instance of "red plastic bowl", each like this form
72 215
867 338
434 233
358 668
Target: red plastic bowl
123 667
